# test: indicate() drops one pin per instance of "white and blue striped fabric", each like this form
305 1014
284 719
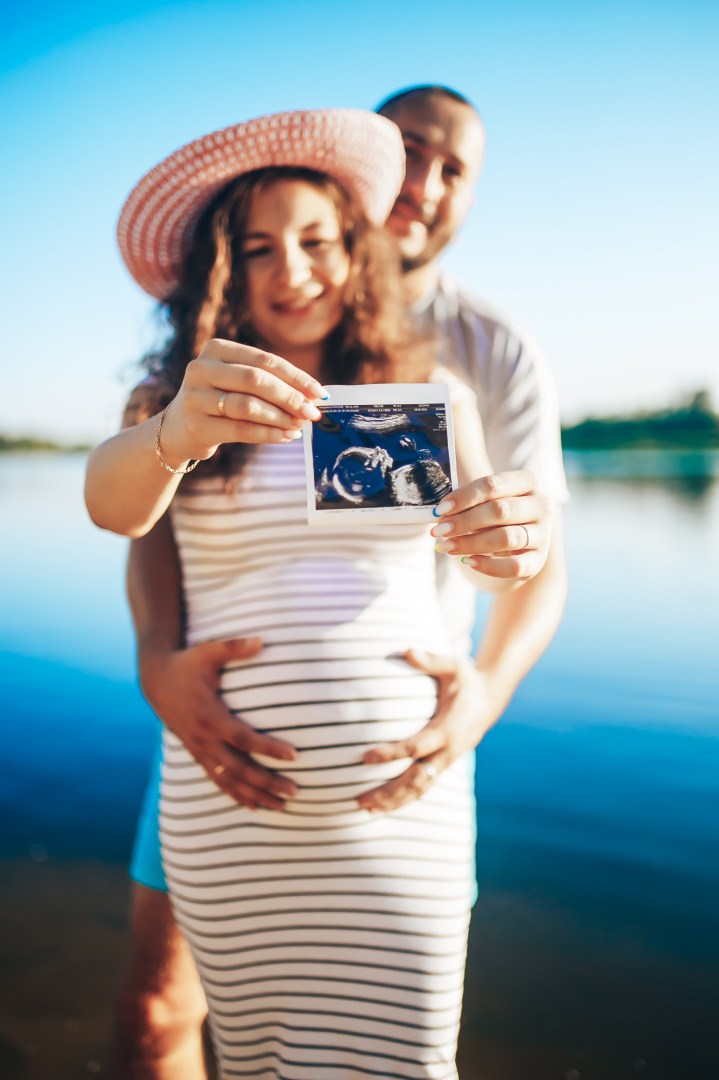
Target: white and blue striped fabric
330 941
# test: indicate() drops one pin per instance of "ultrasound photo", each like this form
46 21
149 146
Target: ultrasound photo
382 456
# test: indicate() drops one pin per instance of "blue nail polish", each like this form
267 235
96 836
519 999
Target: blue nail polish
434 511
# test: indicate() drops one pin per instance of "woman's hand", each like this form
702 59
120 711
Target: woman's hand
501 525
230 393
236 393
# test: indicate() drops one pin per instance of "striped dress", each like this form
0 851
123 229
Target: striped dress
330 941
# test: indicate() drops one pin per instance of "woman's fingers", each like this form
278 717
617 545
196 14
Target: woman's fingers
488 489
234 393
250 409
203 435
195 425
235 355
506 513
511 538
500 525
251 381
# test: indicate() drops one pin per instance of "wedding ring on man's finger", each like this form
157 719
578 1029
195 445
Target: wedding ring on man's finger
221 404
430 769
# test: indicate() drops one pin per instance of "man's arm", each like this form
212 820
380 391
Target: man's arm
154 592
522 624
181 684
472 698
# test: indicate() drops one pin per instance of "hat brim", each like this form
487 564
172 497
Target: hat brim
361 150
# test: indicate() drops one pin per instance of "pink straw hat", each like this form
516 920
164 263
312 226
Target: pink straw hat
361 150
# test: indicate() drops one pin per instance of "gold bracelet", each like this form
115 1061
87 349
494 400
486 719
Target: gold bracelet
158 451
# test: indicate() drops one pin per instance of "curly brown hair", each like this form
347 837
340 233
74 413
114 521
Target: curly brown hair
372 342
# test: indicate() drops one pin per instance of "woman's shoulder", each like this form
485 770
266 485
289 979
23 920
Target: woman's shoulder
146 399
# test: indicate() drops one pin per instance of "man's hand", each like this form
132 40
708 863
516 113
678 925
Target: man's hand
501 525
182 688
464 714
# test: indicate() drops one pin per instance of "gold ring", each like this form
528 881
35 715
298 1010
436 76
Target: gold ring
221 404
218 770
430 769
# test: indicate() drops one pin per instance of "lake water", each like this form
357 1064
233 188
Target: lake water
596 931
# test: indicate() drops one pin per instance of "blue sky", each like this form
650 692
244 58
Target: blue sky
595 222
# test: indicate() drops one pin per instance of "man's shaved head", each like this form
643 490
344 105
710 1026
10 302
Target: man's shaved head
389 105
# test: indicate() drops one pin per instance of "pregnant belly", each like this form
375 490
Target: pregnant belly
332 678
333 708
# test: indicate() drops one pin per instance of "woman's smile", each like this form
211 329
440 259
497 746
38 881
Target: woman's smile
298 305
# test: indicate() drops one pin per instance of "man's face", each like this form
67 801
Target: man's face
444 142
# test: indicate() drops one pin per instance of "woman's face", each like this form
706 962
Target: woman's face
296 266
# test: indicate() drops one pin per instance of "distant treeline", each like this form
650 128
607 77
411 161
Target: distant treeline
8 445
693 426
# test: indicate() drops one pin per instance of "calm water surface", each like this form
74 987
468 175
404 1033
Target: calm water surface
595 939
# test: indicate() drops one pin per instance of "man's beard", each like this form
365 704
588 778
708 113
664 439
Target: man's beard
435 244
415 263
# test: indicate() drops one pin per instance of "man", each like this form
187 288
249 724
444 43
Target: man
162 1007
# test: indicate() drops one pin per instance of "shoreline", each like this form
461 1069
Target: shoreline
523 1017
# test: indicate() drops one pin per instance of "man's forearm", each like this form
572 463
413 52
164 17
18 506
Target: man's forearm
521 625
154 590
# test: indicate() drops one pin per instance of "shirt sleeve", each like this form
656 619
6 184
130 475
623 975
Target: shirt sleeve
459 389
518 405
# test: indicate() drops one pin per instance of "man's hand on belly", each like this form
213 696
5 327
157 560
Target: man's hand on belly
465 713
181 686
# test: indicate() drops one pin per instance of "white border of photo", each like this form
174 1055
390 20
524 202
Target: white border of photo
377 394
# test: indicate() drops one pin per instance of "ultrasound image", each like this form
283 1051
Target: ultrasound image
380 455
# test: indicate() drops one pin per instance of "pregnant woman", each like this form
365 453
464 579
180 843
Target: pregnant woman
330 940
